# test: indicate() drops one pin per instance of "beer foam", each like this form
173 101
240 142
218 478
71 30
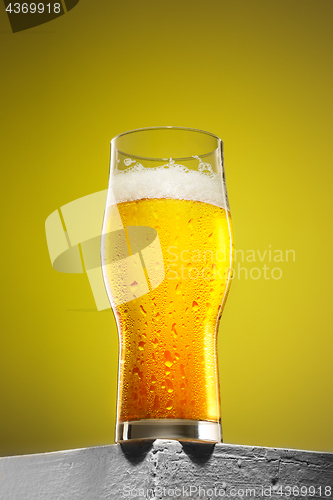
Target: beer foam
170 181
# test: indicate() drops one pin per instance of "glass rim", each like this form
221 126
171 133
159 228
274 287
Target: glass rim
188 129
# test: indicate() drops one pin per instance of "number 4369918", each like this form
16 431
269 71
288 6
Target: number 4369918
33 8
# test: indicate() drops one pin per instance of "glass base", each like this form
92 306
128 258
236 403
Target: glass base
167 428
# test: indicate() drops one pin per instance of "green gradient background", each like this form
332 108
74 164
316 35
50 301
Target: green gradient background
258 73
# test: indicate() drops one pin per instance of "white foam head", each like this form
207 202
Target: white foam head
169 181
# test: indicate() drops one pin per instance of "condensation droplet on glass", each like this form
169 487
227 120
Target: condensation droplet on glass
195 306
169 386
134 286
155 342
156 404
169 405
168 360
143 311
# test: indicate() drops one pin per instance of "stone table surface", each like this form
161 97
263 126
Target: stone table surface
163 469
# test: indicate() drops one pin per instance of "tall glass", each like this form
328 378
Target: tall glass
167 252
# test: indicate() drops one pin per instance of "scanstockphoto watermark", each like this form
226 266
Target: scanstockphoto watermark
173 492
228 491
194 264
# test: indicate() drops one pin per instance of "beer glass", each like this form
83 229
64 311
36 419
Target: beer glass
167 250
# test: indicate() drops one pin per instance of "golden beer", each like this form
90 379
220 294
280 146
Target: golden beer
167 260
168 362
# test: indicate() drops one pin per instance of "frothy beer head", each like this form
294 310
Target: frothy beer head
172 181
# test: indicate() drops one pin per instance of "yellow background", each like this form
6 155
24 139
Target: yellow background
258 73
